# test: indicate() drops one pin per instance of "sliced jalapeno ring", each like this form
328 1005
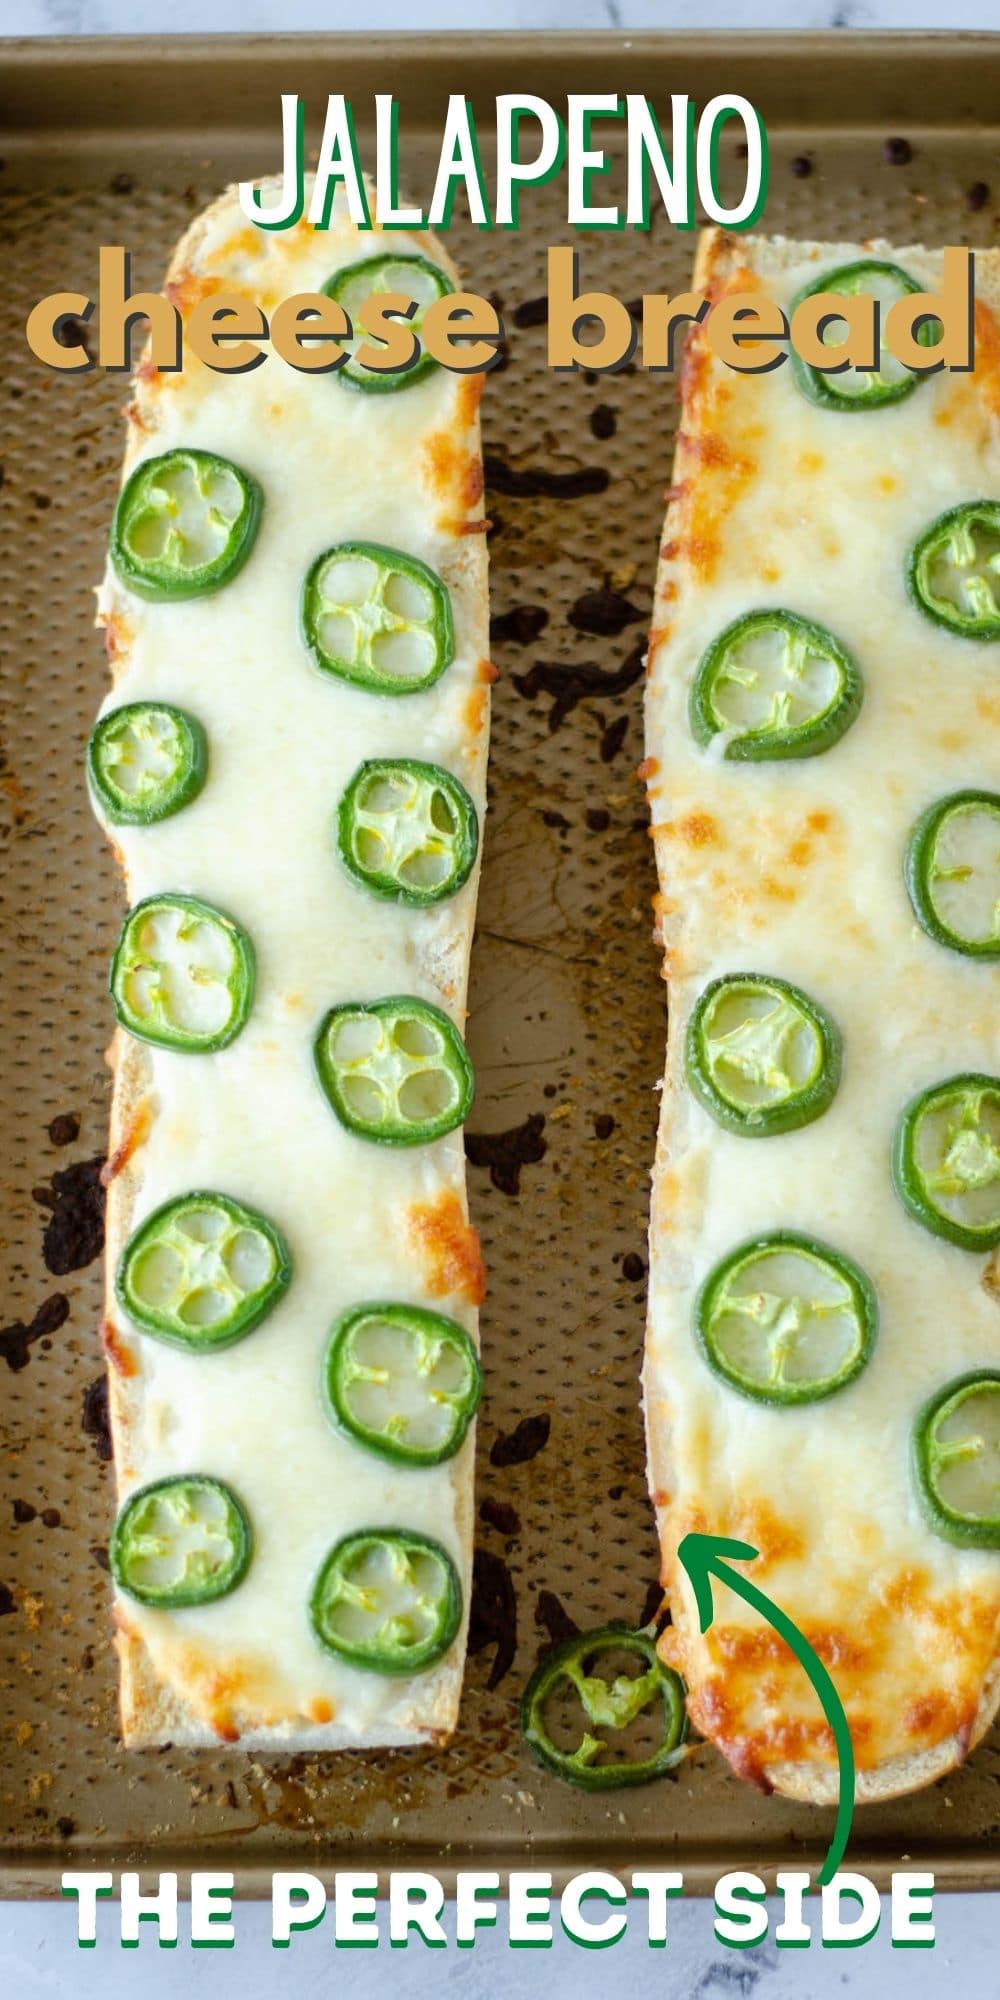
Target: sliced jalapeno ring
946 1160
953 571
407 831
761 1056
774 685
394 1070
183 975
953 872
202 1271
388 1600
145 761
568 1700
785 1319
862 388
181 1541
377 618
417 279
956 1460
184 525
402 1381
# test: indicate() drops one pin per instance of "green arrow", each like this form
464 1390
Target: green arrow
702 1557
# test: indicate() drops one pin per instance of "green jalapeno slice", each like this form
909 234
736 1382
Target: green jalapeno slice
181 1541
387 1600
774 685
394 1070
953 570
862 388
377 618
183 975
946 1160
145 761
761 1056
953 872
616 1679
417 279
785 1319
407 831
956 1460
185 524
202 1271
402 1381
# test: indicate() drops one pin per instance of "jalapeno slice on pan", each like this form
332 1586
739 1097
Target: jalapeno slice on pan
387 1600
953 872
862 388
785 1319
636 1698
406 831
417 279
184 525
394 1070
402 1381
956 1460
377 618
953 571
761 1056
183 974
181 1541
202 1271
145 761
774 685
946 1160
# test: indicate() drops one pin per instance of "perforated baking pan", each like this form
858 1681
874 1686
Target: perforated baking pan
120 142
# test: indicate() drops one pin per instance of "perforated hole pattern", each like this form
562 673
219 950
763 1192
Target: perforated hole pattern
567 1024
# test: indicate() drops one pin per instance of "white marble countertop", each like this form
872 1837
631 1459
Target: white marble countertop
38 1954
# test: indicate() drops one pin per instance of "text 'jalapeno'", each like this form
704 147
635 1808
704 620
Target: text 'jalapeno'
394 1070
603 1711
377 618
774 685
181 1541
184 525
785 1319
387 1600
761 1056
183 975
946 1160
956 1460
407 831
402 1381
146 761
413 277
202 1271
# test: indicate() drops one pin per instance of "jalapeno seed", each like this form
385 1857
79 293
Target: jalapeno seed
406 831
202 1271
416 278
183 975
387 1600
953 570
146 761
760 1055
181 1541
602 1711
785 1319
946 1160
185 524
774 685
956 1460
953 872
402 1381
395 1071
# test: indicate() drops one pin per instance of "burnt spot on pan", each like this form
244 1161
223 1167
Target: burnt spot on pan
499 1514
493 1613
571 682
603 421
64 1130
7 1604
533 312
536 482
613 738
520 626
16 1340
505 1153
552 1617
603 612
652 1605
524 1442
897 152
976 197
95 1419
74 1232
